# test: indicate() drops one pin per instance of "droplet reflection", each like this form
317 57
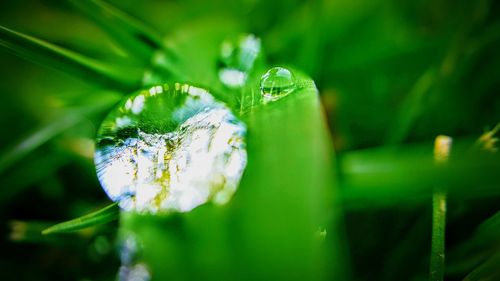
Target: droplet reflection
170 149
237 59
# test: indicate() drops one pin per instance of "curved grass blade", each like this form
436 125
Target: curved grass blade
48 54
133 35
102 216
487 270
490 226
471 255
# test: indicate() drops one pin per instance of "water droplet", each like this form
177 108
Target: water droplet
136 272
237 59
276 83
129 249
131 269
170 149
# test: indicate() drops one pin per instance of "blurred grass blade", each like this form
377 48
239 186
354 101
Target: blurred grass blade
37 138
102 216
387 175
47 132
38 166
487 270
487 141
50 55
133 35
411 108
490 226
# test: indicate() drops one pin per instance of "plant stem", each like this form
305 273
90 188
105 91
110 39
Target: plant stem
442 148
438 236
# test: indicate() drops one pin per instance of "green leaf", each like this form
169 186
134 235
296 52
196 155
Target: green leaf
102 216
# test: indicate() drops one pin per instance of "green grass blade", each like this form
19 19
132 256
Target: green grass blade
133 35
490 226
291 179
469 255
411 107
269 231
102 216
487 270
38 166
385 176
36 139
47 132
50 55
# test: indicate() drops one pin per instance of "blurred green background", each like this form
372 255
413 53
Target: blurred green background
392 75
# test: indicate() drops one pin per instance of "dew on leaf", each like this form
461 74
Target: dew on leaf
276 83
170 149
237 58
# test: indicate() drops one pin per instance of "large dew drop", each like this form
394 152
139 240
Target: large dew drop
276 83
170 149
237 58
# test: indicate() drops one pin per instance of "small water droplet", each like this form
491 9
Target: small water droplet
129 249
135 272
170 149
132 267
237 59
276 83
